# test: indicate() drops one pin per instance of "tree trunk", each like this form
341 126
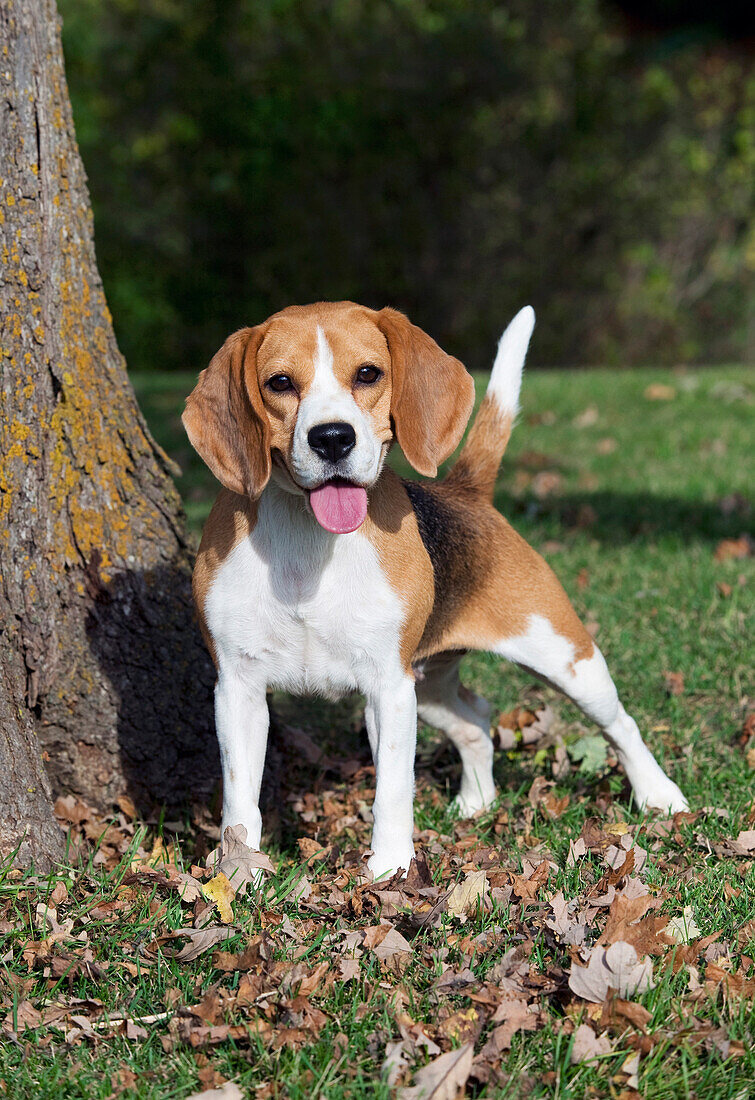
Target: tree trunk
103 675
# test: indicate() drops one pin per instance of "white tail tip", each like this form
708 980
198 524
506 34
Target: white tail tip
506 378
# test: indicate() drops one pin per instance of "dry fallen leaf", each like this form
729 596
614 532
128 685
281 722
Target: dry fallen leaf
467 894
72 809
392 944
577 850
628 923
636 1013
529 884
26 1015
746 841
59 932
587 1046
348 970
631 1068
734 983
516 1015
554 807
310 849
189 888
615 967
746 935
59 895
240 864
220 891
568 929
128 807
444 1078
415 1035
201 940
538 791
210 1078
395 1062
683 928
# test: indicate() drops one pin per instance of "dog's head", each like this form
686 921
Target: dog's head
314 397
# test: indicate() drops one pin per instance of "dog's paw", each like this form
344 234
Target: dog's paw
662 794
383 864
465 806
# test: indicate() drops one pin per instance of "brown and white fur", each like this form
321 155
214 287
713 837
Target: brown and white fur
389 609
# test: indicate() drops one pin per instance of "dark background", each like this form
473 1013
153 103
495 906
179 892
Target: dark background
454 159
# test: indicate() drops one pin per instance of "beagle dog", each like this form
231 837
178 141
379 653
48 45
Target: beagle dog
321 571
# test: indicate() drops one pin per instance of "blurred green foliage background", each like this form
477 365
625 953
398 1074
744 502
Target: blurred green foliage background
452 158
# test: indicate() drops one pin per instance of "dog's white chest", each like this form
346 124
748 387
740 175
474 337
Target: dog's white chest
309 612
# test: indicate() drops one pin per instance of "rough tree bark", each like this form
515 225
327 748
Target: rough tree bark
103 676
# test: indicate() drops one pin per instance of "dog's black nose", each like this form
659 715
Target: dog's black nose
332 441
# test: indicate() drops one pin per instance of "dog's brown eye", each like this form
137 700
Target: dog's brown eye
280 383
368 374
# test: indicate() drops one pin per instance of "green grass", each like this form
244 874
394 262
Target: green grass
631 529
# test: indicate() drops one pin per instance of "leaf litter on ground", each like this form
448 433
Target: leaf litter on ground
501 940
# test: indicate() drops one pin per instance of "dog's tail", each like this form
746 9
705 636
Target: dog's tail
477 465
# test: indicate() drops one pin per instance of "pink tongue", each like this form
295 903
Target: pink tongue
339 507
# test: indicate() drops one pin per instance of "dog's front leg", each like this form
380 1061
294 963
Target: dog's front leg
394 714
242 720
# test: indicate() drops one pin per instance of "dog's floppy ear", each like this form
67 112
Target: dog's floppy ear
432 394
225 418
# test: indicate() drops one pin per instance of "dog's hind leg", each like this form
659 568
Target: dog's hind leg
587 682
444 703
532 623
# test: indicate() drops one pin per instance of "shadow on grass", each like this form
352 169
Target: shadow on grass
626 517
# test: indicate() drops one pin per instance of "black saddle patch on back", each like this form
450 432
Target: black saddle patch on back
448 536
